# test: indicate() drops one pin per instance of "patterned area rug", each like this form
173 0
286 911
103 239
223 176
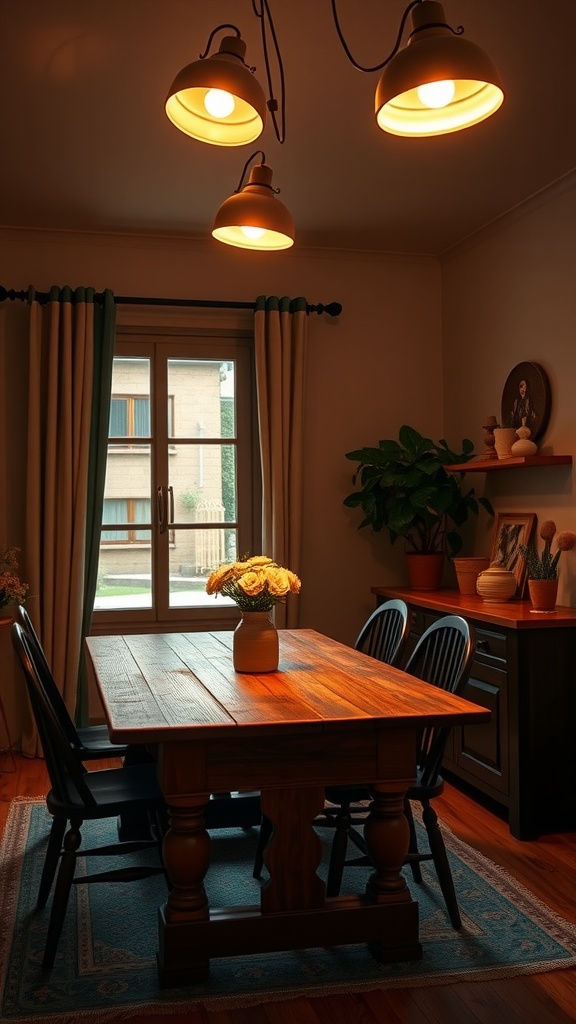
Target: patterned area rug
106 957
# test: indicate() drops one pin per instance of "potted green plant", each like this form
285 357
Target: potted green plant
542 568
406 487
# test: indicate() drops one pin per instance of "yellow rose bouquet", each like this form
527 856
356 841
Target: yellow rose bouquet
255 584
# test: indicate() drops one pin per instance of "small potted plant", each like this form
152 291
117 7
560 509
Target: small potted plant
542 568
504 438
405 486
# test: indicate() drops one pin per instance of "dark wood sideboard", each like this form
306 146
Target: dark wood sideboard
524 671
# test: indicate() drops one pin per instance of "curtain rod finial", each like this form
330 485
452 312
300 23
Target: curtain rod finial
333 308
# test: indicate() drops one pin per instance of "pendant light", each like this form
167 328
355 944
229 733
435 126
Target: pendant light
439 83
218 100
253 218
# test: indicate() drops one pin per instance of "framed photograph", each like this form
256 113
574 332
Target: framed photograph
510 531
526 399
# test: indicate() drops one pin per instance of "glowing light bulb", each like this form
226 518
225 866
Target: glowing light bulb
436 94
219 103
251 232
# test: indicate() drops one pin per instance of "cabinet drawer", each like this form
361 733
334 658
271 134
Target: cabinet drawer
490 647
480 752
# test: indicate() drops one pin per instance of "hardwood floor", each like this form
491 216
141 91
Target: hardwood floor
547 867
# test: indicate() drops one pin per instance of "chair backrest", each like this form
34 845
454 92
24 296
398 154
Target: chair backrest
42 667
65 769
385 632
442 657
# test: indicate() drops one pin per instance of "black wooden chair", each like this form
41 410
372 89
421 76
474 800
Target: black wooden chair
77 795
91 742
385 632
442 657
383 636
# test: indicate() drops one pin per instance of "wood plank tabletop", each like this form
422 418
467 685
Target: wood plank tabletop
171 686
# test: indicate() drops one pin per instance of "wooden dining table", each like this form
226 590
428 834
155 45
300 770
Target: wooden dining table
329 715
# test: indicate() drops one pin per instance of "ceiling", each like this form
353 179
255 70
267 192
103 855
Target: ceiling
87 145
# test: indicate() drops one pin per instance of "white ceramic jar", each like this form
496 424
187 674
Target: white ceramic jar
496 584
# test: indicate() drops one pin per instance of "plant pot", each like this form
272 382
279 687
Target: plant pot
543 594
504 438
255 643
468 571
425 571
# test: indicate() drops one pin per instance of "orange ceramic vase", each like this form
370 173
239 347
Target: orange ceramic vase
255 643
543 594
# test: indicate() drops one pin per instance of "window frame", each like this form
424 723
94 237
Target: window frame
217 343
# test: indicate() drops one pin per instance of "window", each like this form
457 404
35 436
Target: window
130 416
127 511
182 489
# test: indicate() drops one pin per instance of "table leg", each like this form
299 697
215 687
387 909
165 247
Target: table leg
186 853
294 851
387 838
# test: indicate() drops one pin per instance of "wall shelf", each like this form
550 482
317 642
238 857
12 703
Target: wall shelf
481 465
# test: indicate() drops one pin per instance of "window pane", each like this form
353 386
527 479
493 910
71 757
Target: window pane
125 582
189 569
203 479
201 398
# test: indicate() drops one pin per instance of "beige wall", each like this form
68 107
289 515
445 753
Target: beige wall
508 296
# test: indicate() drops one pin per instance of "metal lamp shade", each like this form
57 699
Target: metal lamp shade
185 104
254 218
435 54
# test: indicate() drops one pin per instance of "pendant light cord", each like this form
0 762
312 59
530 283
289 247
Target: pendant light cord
262 12
262 184
378 67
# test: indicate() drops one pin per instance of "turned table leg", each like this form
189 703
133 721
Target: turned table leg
186 853
387 838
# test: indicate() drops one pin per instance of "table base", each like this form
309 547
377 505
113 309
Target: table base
389 929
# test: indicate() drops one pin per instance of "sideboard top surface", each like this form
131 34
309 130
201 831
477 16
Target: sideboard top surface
513 614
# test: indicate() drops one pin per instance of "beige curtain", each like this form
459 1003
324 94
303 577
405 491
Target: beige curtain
280 327
59 415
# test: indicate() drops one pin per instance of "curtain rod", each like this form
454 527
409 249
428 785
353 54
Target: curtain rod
332 308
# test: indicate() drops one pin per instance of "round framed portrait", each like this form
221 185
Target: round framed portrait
526 399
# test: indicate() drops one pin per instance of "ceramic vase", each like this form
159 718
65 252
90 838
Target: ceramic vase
425 571
504 438
468 571
496 584
255 643
523 446
543 594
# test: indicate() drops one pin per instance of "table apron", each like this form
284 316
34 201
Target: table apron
204 765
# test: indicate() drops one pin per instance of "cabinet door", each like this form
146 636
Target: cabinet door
480 752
